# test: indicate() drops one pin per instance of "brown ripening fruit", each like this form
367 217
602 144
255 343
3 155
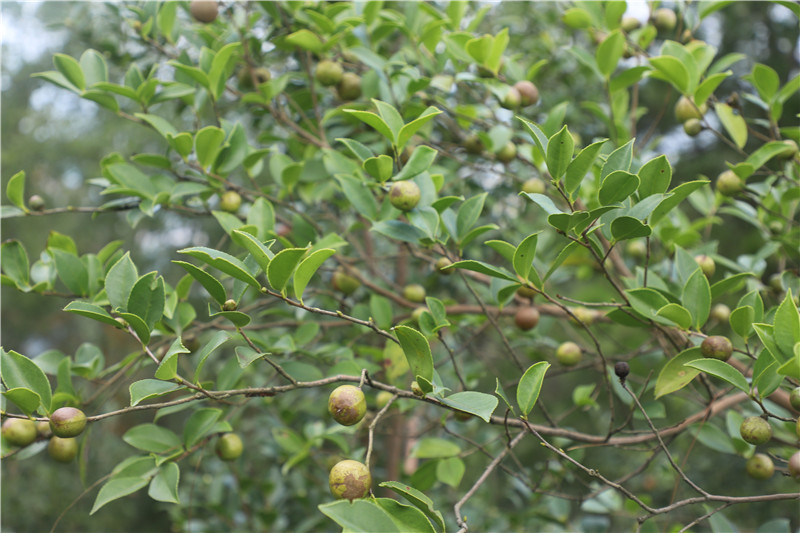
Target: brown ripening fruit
349 480
347 405
67 422
349 88
622 369
528 93
526 318
204 11
512 99
794 466
716 347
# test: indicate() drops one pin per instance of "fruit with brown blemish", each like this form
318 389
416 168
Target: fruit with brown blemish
349 480
347 405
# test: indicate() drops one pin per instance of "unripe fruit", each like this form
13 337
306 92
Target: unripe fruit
636 248
685 110
716 347
630 23
230 305
229 447
729 184
262 75
622 369
67 422
36 203
755 430
19 431
794 398
414 293
534 186
760 466
512 99
473 145
417 390
706 264
62 450
345 283
507 153
404 195
204 10
349 480
43 429
417 314
787 153
665 19
584 315
776 283
692 127
569 354
526 318
329 73
721 312
230 201
441 264
528 93
347 405
383 398
526 292
349 88
794 466
797 428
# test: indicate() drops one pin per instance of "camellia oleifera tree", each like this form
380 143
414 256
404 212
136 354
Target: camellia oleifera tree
425 287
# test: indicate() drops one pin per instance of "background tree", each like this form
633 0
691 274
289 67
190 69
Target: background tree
220 197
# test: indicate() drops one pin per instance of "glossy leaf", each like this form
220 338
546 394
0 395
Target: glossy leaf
164 486
150 388
697 298
559 152
655 176
307 268
722 370
116 488
224 262
417 351
152 438
209 282
15 190
200 424
734 124
92 311
282 266
675 375
530 385
21 372
476 403
418 500
617 186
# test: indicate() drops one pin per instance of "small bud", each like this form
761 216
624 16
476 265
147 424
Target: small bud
230 305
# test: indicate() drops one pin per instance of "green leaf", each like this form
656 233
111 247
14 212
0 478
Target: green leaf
741 321
530 385
617 186
671 69
560 148
731 283
380 168
208 145
223 262
21 372
418 500
282 266
787 326
159 124
674 375
147 299
358 149
359 194
152 438
237 318
408 131
655 176
71 271
421 160
150 388
417 351
449 471
476 403
399 230
27 400
696 298
246 355
307 268
576 17
164 486
306 40
219 338
91 311
625 227
117 488
259 250
435 448
468 214
374 120
675 196
524 254
168 367
734 124
94 68
791 367
15 190
483 268
722 370
14 262
677 314
609 52
359 516
209 282
390 116
200 424
539 138
70 69
219 71
708 86
578 167
765 334
766 81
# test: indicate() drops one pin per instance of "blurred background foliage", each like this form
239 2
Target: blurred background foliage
59 139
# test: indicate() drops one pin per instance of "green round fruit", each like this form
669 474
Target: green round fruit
630 24
43 429
794 466
229 447
230 201
349 480
584 315
404 195
721 312
67 422
534 186
383 398
794 398
417 314
790 151
230 305
685 110
512 99
507 153
528 93
692 127
262 75
347 405
19 431
526 292
636 248
349 88
706 264
473 145
760 466
63 450
729 184
569 354
441 266
329 73
526 318
204 10
345 283
36 203
664 19
716 347
414 293
755 430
